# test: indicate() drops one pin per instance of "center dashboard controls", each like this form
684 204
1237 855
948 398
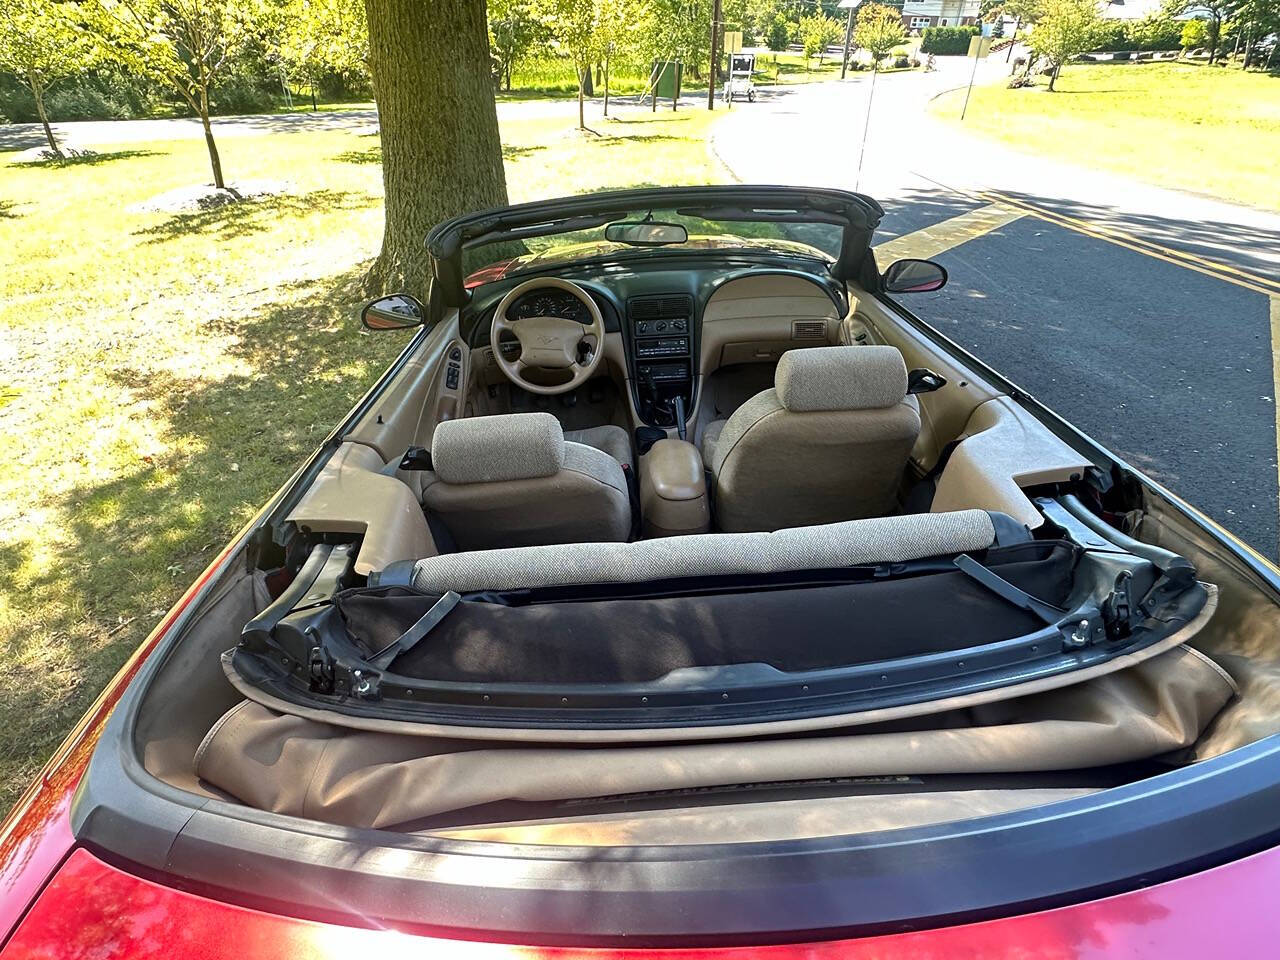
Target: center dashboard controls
662 348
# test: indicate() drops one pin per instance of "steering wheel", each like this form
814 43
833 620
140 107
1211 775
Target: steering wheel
549 343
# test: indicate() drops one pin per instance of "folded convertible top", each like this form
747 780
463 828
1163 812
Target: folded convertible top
703 637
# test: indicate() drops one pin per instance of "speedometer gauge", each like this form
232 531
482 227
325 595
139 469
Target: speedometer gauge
545 307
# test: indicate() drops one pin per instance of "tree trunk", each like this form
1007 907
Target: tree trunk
1215 34
1053 77
582 116
214 160
606 86
314 106
37 91
441 151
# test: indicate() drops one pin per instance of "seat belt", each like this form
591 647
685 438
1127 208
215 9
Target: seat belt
415 458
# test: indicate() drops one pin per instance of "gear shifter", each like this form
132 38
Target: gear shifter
678 402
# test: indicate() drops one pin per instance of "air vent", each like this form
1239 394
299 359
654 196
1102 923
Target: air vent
660 308
808 330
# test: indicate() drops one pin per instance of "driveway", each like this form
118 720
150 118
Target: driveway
1145 316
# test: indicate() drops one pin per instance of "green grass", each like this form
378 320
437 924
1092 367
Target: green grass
1205 129
161 375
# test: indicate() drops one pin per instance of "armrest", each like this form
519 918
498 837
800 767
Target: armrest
673 490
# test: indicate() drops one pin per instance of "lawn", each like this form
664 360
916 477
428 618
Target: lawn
161 375
1206 129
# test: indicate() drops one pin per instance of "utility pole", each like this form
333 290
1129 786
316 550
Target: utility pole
848 36
711 77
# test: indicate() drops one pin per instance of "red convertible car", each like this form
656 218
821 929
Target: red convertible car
678 592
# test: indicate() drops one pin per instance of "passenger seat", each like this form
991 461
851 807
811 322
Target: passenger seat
515 481
828 442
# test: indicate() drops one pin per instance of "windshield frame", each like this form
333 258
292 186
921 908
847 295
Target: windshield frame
856 214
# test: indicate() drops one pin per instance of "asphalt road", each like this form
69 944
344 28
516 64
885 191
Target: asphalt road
1143 316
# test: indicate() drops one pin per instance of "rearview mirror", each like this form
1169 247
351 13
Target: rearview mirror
914 276
646 233
399 311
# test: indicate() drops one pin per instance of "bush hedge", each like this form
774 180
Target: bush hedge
1150 33
947 40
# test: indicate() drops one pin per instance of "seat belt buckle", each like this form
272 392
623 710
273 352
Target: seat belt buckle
416 458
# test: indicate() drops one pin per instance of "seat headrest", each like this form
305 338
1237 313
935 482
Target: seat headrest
841 378
510 446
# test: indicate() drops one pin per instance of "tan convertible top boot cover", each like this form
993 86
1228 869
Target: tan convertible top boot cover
291 765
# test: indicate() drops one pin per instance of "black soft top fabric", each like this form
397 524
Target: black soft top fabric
639 638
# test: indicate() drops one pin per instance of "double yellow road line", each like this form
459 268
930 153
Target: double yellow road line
1212 268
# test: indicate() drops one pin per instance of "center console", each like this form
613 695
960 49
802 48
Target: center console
673 490
662 337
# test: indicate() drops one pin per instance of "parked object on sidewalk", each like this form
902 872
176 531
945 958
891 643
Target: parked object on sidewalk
740 85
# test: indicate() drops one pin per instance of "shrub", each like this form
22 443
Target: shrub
239 94
84 103
1194 35
779 33
1150 33
946 41
901 61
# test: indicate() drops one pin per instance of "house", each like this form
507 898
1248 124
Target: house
918 14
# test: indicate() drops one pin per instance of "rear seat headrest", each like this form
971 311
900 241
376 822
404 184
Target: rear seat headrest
841 378
852 542
510 446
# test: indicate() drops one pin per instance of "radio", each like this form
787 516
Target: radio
671 346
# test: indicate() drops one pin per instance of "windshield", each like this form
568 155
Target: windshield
499 255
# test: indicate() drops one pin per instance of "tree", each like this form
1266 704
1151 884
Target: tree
573 24
1066 28
183 44
779 33
514 33
878 30
1215 14
42 42
441 153
816 34
613 35
1194 34
323 36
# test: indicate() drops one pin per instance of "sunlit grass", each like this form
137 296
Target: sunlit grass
161 375
1206 129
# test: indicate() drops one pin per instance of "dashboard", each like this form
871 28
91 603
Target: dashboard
661 314
549 302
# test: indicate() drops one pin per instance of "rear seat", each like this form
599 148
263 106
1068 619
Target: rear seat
853 542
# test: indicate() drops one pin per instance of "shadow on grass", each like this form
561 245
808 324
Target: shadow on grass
616 141
513 152
371 154
89 158
244 217
8 210
116 550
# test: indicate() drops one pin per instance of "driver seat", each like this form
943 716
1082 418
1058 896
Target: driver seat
514 481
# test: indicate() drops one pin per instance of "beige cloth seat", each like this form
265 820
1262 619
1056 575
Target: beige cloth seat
613 440
514 481
828 443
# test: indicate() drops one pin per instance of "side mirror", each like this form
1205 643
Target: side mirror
914 276
399 311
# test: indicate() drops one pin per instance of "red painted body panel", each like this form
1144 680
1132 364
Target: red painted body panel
36 835
92 910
